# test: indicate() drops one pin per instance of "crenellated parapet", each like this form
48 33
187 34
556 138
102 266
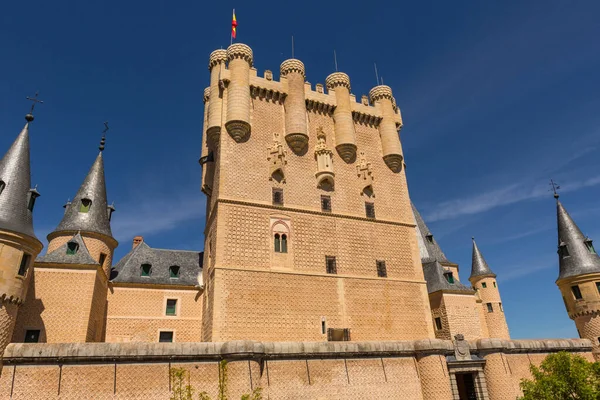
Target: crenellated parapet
292 65
217 57
337 79
240 51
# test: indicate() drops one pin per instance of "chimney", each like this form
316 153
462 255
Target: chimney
137 240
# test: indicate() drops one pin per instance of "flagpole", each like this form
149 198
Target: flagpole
231 33
376 75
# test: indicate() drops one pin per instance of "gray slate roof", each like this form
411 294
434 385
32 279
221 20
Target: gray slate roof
579 261
15 173
60 256
128 269
96 219
479 266
436 281
428 246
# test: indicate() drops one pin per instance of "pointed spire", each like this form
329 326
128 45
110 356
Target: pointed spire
15 186
478 265
87 211
576 254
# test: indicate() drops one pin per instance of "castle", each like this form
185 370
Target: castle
318 276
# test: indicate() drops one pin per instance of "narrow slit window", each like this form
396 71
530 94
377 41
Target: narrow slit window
174 272
490 308
171 307
483 285
72 248
277 243
500 306
277 197
438 323
590 246
85 206
323 326
370 210
381 269
598 286
330 265
24 264
576 292
146 269
33 195
102 259
284 243
326 203
494 283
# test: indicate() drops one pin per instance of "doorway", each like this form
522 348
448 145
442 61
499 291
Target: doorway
466 386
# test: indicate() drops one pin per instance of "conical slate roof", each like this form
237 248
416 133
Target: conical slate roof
578 259
60 256
15 174
94 189
478 266
429 248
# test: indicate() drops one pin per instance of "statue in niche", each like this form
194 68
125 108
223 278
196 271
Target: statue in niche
276 157
364 172
324 157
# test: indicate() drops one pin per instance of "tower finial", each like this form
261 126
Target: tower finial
35 100
554 189
103 140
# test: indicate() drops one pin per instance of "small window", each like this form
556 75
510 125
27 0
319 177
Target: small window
381 269
494 283
33 194
171 307
338 334
85 206
438 323
277 243
483 285
598 286
2 186
174 272
277 197
590 246
102 259
563 250
576 292
370 210
146 269
326 203
489 307
330 264
429 237
24 264
165 337
323 326
449 276
284 243
500 306
72 248
32 336
598 339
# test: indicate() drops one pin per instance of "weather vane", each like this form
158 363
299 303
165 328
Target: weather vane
35 100
555 187
103 140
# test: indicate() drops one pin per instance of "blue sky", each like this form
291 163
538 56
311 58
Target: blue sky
496 100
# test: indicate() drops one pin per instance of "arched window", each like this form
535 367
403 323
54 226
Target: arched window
146 270
284 243
174 272
277 243
2 186
85 205
72 248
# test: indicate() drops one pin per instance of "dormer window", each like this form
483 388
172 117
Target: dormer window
174 272
2 186
563 250
85 206
72 248
146 270
33 194
110 210
429 237
449 276
589 245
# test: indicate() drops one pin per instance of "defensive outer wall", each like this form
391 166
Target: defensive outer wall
423 369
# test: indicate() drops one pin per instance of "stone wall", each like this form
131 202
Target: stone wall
284 370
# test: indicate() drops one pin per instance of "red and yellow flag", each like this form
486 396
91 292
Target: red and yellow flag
233 25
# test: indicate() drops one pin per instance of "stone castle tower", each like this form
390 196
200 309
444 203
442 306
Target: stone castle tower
309 224
18 243
579 278
80 252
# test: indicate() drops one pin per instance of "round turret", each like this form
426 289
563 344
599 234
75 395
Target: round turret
206 94
292 65
213 131
381 96
295 105
345 137
217 57
238 92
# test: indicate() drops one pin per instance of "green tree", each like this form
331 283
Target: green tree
563 376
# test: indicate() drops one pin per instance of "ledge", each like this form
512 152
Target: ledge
79 353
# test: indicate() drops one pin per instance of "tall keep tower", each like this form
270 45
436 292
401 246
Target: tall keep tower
579 277
484 281
18 244
309 229
67 299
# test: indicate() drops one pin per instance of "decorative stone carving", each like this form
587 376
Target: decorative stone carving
462 352
364 172
268 75
324 157
319 88
276 157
